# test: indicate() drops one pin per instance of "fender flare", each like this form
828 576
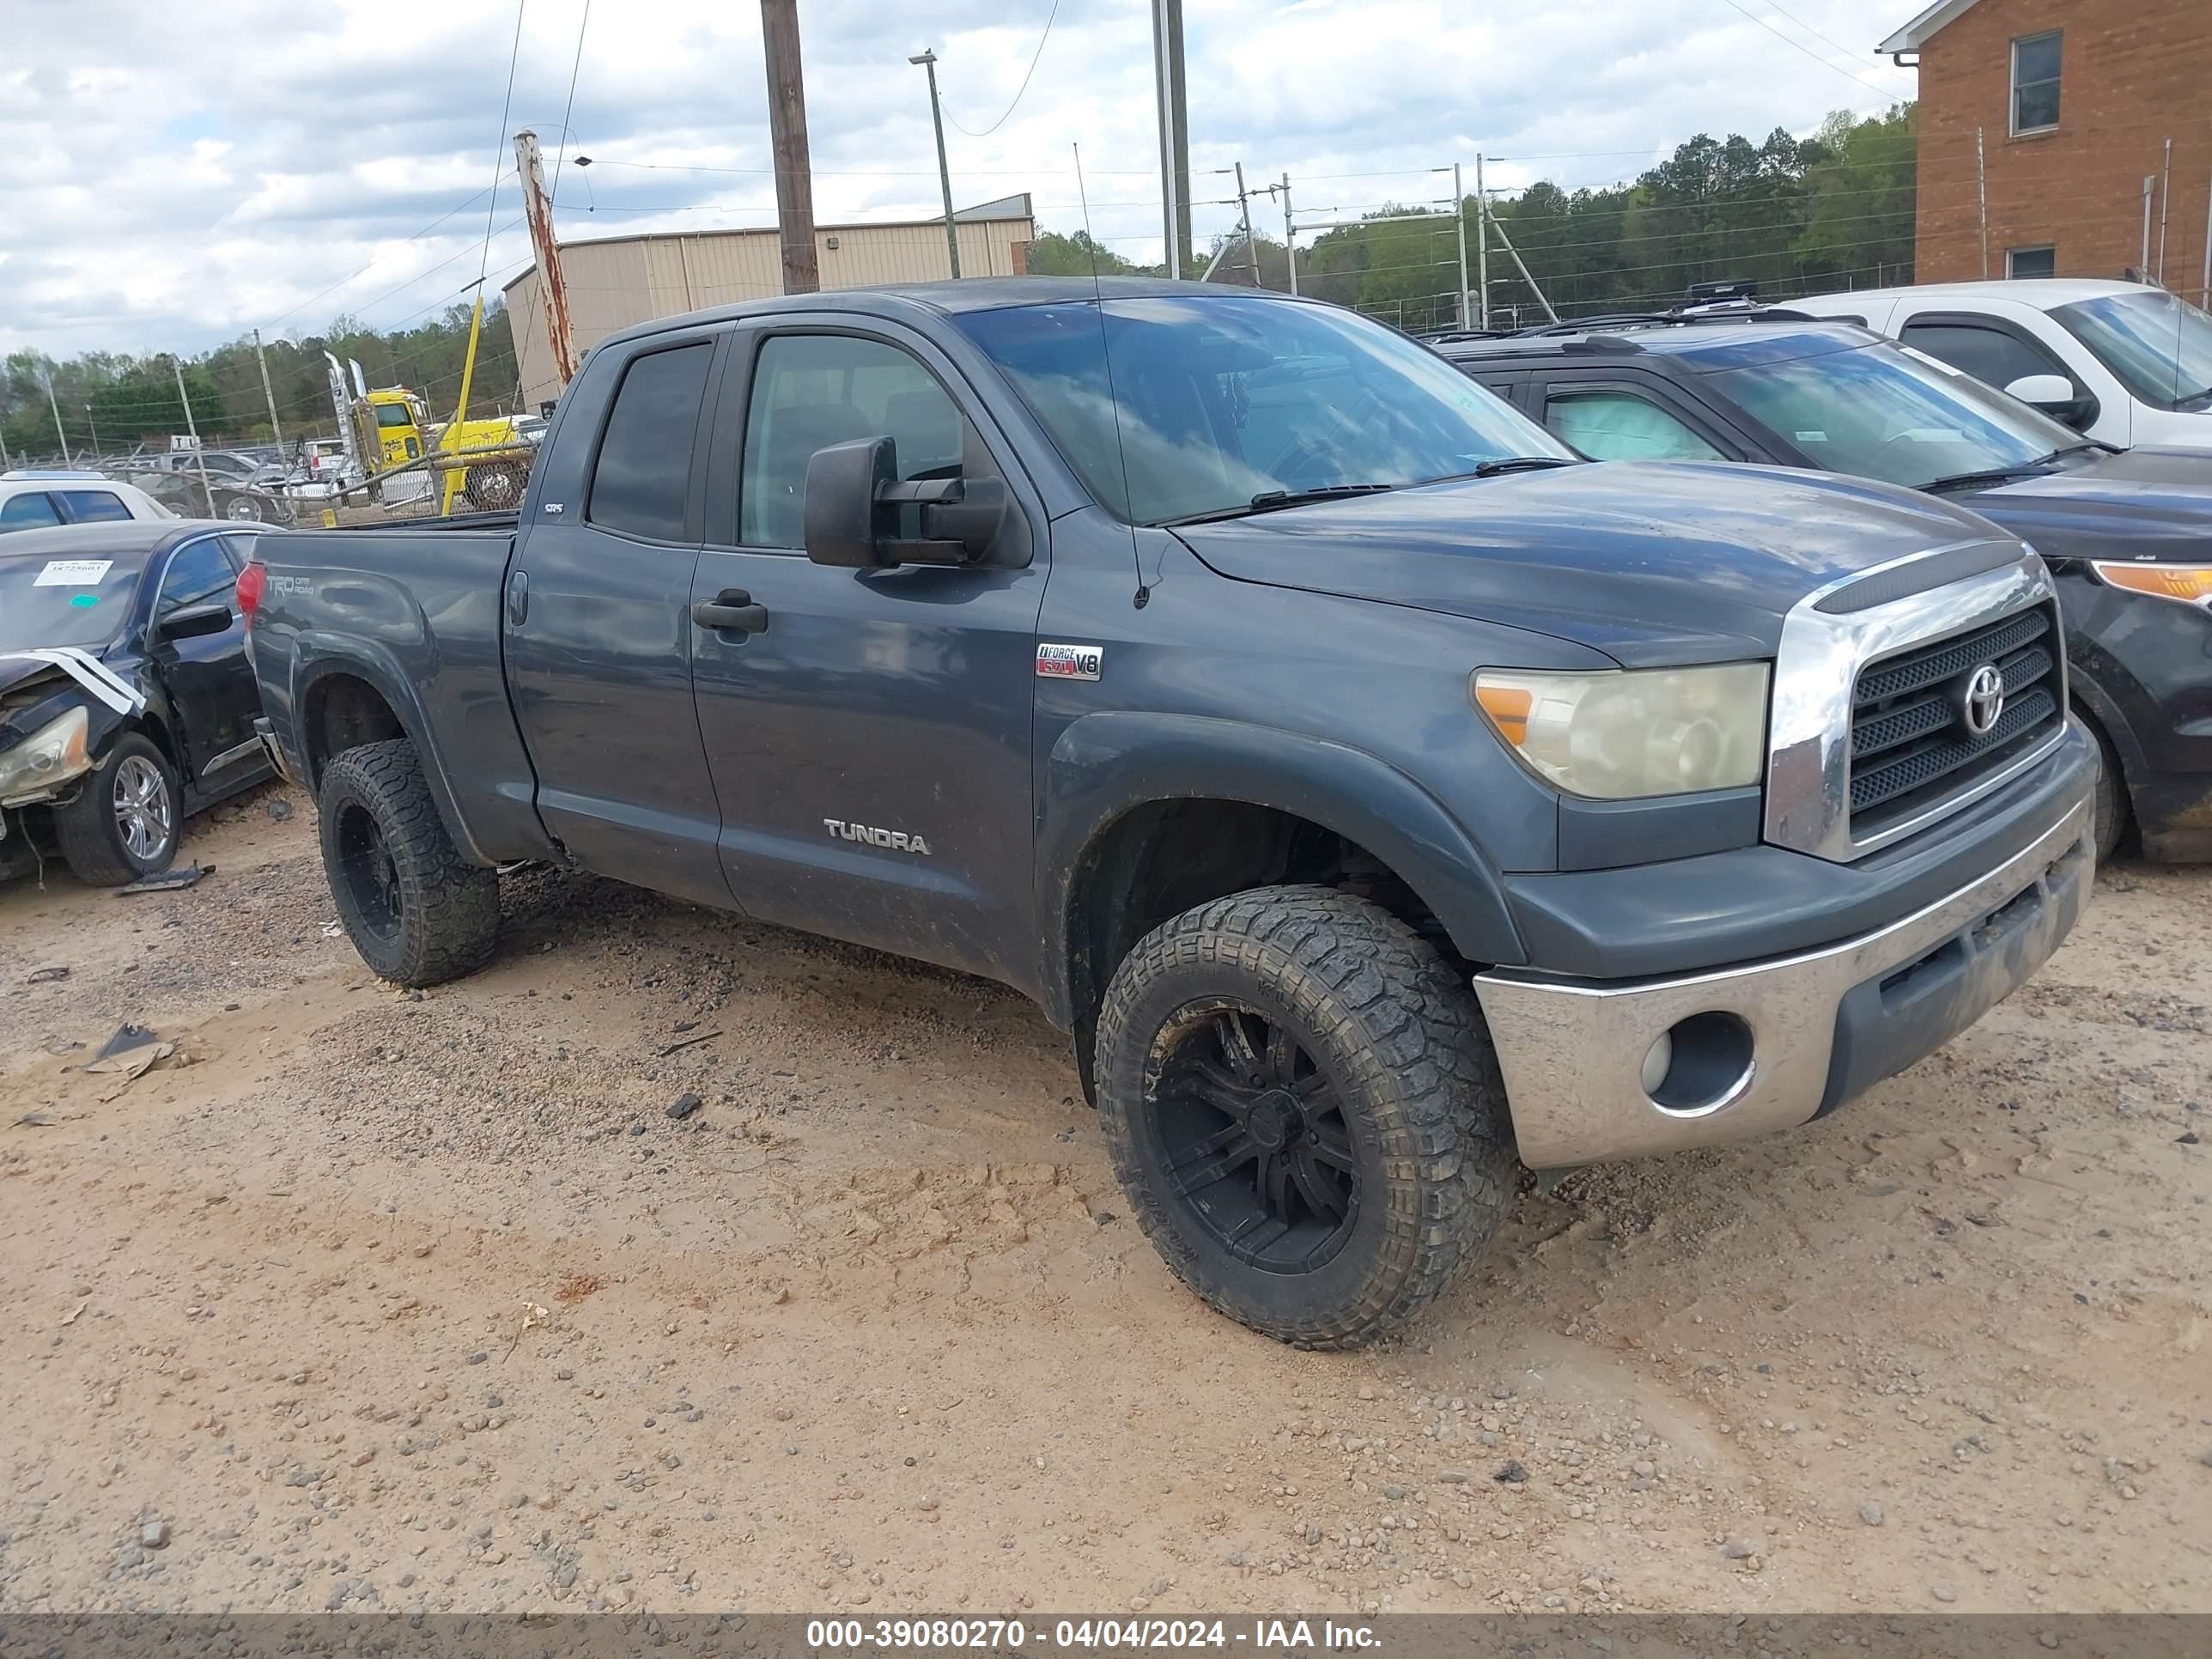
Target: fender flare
2113 723
1106 765
315 660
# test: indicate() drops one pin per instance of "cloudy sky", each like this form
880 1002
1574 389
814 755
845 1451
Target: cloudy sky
175 175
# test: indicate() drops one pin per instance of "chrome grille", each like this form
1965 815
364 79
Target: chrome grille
1910 746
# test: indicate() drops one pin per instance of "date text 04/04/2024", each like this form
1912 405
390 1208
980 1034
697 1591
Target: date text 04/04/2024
1002 1635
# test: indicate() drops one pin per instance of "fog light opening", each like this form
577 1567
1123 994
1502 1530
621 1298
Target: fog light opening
1699 1064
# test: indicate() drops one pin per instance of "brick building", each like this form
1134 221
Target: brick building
2074 101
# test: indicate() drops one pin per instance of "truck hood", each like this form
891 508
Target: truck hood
2146 503
1655 564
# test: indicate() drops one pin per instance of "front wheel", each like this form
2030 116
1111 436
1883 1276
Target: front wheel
244 509
124 823
1302 1106
495 488
416 910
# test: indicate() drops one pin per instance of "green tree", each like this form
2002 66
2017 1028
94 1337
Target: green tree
1076 254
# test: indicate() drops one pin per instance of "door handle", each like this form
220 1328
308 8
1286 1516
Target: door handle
518 599
731 612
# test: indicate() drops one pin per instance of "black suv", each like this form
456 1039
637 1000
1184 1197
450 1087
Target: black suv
2128 533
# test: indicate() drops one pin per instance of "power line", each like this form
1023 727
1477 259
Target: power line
271 325
498 153
1849 51
1024 85
568 109
1890 92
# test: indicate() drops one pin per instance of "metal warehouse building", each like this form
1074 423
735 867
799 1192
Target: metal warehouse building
622 280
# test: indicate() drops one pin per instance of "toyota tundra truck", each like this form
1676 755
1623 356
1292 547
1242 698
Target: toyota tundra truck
1383 798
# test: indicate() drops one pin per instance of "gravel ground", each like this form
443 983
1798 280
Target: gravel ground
382 1301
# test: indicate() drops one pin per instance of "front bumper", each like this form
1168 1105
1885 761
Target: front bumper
1814 1028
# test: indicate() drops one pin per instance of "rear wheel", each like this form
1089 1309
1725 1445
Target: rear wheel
496 488
1302 1104
416 910
123 822
244 509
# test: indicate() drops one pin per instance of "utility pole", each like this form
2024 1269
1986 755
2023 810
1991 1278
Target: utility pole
786 128
199 455
1290 235
2204 283
1459 220
1481 248
552 292
928 59
6 466
1522 264
94 426
1982 201
276 431
2165 201
1175 138
1244 212
2142 271
48 375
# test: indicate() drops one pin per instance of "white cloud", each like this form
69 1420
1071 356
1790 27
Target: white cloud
172 184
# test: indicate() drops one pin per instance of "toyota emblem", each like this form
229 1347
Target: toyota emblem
1983 701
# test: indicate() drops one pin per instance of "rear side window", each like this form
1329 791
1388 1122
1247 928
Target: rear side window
1990 355
26 512
94 506
644 469
1619 426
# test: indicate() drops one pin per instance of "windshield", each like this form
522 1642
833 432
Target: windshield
81 600
394 415
2158 346
1223 399
1889 412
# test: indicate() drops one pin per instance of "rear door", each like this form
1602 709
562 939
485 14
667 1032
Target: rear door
209 682
869 743
598 631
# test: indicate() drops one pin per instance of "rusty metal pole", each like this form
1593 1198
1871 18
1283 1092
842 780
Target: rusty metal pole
787 127
551 290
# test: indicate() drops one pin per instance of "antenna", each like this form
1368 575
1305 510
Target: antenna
1144 594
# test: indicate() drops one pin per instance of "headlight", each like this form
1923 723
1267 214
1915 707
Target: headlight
54 755
1630 732
2192 584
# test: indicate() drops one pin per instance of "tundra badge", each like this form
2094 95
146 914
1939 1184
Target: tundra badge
1070 662
896 840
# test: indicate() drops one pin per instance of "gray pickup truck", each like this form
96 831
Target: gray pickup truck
1375 792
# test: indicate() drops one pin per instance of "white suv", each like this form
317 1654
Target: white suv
2135 362
32 497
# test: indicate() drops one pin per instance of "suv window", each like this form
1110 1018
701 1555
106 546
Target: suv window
644 470
1620 426
94 506
811 391
28 510
198 572
1987 354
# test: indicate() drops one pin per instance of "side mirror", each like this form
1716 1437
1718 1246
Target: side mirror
194 622
2054 395
854 495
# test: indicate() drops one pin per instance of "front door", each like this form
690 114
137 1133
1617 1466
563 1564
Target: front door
209 682
868 731
598 632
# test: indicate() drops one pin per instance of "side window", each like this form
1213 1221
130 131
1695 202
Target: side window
644 469
197 573
811 391
2035 83
27 511
1620 426
1987 354
94 506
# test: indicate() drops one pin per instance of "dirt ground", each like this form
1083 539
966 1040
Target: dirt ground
381 1301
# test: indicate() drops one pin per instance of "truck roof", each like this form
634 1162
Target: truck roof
1714 344
955 298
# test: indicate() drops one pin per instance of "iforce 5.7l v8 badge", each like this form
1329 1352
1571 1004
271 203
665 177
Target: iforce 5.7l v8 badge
1070 662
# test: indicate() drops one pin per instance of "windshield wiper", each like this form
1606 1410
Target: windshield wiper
1270 500
2083 449
1994 475
1519 464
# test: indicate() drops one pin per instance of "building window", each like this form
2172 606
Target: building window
2032 261
2035 83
